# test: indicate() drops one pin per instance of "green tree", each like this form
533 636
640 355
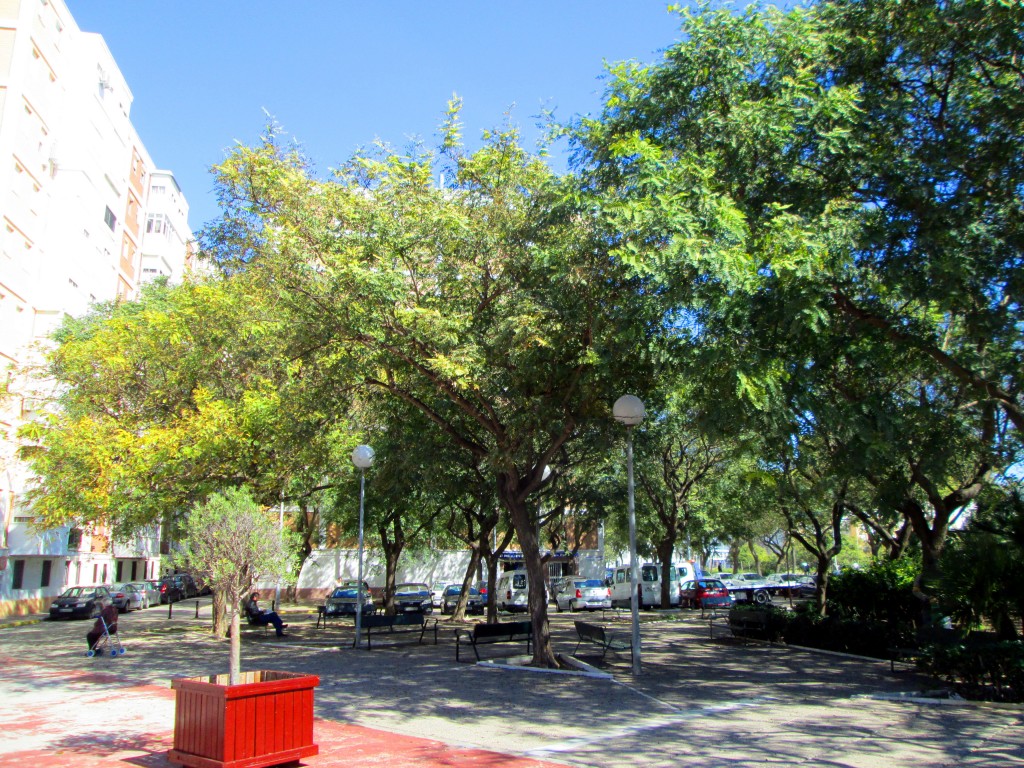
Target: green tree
164 400
680 459
837 190
491 305
232 543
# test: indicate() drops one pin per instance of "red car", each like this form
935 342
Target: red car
704 593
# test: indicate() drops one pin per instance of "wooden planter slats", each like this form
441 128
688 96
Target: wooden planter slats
266 719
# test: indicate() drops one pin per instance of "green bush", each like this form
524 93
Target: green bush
832 633
990 671
881 593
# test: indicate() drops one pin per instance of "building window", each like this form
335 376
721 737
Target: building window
19 574
95 573
110 218
117 570
74 539
44 580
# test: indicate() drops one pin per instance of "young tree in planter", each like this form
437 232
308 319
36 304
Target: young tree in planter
232 542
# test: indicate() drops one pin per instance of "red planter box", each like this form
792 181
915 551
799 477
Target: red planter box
267 719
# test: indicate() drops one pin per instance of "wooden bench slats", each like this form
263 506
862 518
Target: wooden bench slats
485 634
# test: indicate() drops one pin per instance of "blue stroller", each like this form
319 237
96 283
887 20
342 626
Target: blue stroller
108 642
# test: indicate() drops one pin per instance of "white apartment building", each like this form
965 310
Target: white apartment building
84 217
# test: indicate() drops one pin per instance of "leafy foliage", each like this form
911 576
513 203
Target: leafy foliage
982 575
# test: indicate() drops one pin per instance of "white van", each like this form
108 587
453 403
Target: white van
649 586
512 591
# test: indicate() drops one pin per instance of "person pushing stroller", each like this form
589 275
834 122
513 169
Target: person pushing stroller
106 624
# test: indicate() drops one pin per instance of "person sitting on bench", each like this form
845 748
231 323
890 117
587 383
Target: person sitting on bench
259 616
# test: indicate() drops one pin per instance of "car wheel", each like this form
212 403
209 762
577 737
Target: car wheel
761 597
572 607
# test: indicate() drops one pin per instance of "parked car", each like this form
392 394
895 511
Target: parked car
80 603
151 590
437 593
574 593
413 598
128 597
451 598
481 587
705 593
170 590
343 600
187 584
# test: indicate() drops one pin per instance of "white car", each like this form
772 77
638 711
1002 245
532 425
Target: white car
573 593
437 593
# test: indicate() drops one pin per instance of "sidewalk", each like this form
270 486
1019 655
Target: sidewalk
700 702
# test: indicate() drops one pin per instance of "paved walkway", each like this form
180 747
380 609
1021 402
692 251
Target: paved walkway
699 702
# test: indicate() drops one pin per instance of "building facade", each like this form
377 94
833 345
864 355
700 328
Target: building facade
85 217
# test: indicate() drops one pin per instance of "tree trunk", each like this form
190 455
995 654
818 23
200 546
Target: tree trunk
392 551
526 532
493 557
754 555
235 671
220 617
666 548
460 607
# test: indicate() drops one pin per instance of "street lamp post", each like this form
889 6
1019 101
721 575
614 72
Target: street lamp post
362 457
629 411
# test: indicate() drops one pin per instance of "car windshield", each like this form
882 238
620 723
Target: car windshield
712 584
453 590
344 592
411 589
590 583
79 592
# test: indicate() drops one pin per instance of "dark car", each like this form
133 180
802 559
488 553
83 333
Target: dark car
474 603
186 584
413 598
705 593
80 602
342 601
170 590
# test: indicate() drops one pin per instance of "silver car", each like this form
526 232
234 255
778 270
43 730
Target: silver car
574 593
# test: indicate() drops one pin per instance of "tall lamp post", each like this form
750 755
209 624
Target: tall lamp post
629 411
362 457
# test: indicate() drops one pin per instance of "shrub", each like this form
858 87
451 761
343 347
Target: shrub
831 633
992 671
882 593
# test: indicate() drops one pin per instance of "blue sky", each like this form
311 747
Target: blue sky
338 75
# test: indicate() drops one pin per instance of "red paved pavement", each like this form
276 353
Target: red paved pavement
89 719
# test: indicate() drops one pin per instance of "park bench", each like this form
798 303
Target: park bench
486 634
601 637
393 625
